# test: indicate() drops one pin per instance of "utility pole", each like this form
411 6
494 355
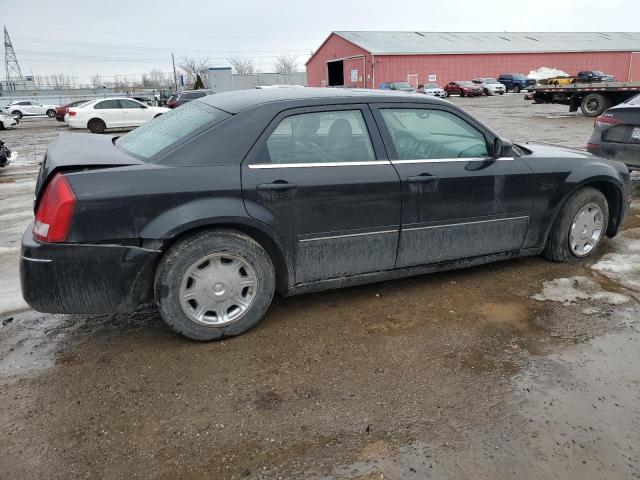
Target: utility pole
175 80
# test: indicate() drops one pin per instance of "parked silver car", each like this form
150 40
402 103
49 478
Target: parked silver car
432 89
490 86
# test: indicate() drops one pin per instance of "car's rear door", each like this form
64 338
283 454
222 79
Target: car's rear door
134 113
110 112
320 177
457 201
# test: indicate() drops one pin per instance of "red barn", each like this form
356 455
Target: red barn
367 59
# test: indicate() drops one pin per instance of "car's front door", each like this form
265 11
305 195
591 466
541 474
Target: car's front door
320 177
457 201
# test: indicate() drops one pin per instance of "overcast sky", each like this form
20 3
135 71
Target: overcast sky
118 37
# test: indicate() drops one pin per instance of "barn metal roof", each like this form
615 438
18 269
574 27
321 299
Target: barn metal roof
407 43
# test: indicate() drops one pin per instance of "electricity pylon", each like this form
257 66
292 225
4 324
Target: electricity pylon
11 65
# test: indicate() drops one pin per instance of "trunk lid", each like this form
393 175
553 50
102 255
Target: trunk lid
79 151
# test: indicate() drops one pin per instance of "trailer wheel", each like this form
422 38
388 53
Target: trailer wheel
594 104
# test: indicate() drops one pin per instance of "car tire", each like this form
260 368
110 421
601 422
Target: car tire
60 119
188 255
51 113
486 92
461 93
157 115
446 94
516 89
559 247
501 93
96 126
17 114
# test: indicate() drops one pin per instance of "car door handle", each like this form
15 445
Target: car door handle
422 178
277 186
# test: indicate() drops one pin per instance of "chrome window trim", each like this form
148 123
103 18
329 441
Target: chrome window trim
318 164
466 223
446 160
332 237
256 166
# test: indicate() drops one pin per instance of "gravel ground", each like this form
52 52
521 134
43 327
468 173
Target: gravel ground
522 369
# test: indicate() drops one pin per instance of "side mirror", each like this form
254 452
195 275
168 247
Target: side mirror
502 148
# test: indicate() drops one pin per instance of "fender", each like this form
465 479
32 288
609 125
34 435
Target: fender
600 175
163 230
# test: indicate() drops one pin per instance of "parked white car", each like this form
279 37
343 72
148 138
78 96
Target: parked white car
432 89
490 86
7 121
25 108
118 112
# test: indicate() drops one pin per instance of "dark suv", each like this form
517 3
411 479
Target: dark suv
211 208
178 99
516 81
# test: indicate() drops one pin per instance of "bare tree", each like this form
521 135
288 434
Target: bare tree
192 68
97 81
158 79
242 65
286 64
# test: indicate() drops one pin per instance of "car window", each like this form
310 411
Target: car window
432 134
130 104
320 137
107 105
23 103
170 128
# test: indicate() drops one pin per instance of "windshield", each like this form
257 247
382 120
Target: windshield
466 84
402 85
598 72
519 77
490 80
145 141
431 85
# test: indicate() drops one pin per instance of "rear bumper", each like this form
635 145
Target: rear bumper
79 278
627 153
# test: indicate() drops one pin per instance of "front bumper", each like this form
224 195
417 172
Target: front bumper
80 278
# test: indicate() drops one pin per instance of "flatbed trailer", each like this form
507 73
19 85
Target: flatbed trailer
592 98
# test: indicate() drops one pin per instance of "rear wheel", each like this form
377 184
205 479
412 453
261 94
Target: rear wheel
51 113
96 126
594 104
214 284
579 228
516 89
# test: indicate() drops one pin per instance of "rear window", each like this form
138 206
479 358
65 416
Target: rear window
171 127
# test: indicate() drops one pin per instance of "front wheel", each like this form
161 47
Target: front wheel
516 89
579 228
17 114
486 92
51 113
214 284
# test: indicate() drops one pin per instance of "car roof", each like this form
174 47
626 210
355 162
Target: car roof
237 100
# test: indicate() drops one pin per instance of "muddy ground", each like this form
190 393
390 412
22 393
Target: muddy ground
521 369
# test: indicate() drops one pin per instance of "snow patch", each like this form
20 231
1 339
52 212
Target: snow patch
622 266
545 72
572 289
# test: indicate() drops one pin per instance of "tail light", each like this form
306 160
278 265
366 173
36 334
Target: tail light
604 120
72 113
55 211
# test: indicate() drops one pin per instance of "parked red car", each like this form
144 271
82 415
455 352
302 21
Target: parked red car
62 111
463 88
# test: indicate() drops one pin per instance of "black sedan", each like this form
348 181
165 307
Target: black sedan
616 133
211 208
